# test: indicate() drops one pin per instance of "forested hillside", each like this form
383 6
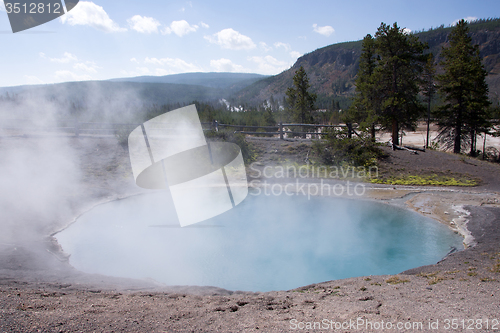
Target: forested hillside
332 69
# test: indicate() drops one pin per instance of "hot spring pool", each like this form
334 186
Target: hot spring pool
265 243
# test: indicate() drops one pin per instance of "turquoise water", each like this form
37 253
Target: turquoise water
265 243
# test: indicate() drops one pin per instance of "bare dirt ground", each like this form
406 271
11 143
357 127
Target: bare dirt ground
41 292
418 137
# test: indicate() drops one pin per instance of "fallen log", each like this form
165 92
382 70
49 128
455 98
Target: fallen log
410 149
415 148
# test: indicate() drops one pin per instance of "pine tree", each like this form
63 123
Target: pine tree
429 89
387 82
397 75
366 103
299 100
464 89
269 119
335 113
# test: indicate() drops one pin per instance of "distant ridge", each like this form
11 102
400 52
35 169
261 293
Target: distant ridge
231 81
169 89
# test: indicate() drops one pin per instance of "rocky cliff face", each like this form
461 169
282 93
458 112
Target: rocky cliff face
332 69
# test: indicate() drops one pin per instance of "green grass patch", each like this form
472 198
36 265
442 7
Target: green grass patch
433 179
436 279
428 275
452 272
396 280
487 279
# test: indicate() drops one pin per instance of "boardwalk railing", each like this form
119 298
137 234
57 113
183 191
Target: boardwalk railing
282 129
96 129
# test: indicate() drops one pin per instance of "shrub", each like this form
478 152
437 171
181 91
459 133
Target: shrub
227 136
121 135
491 154
337 149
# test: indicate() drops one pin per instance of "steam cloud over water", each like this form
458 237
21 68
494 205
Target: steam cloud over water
40 172
36 179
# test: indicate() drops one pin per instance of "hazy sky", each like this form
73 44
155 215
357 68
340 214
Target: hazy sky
104 39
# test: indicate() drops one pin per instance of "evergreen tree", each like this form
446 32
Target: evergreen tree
366 103
269 119
464 89
335 113
429 89
387 82
400 63
300 102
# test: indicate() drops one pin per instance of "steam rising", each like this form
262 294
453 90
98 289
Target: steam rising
37 179
40 171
